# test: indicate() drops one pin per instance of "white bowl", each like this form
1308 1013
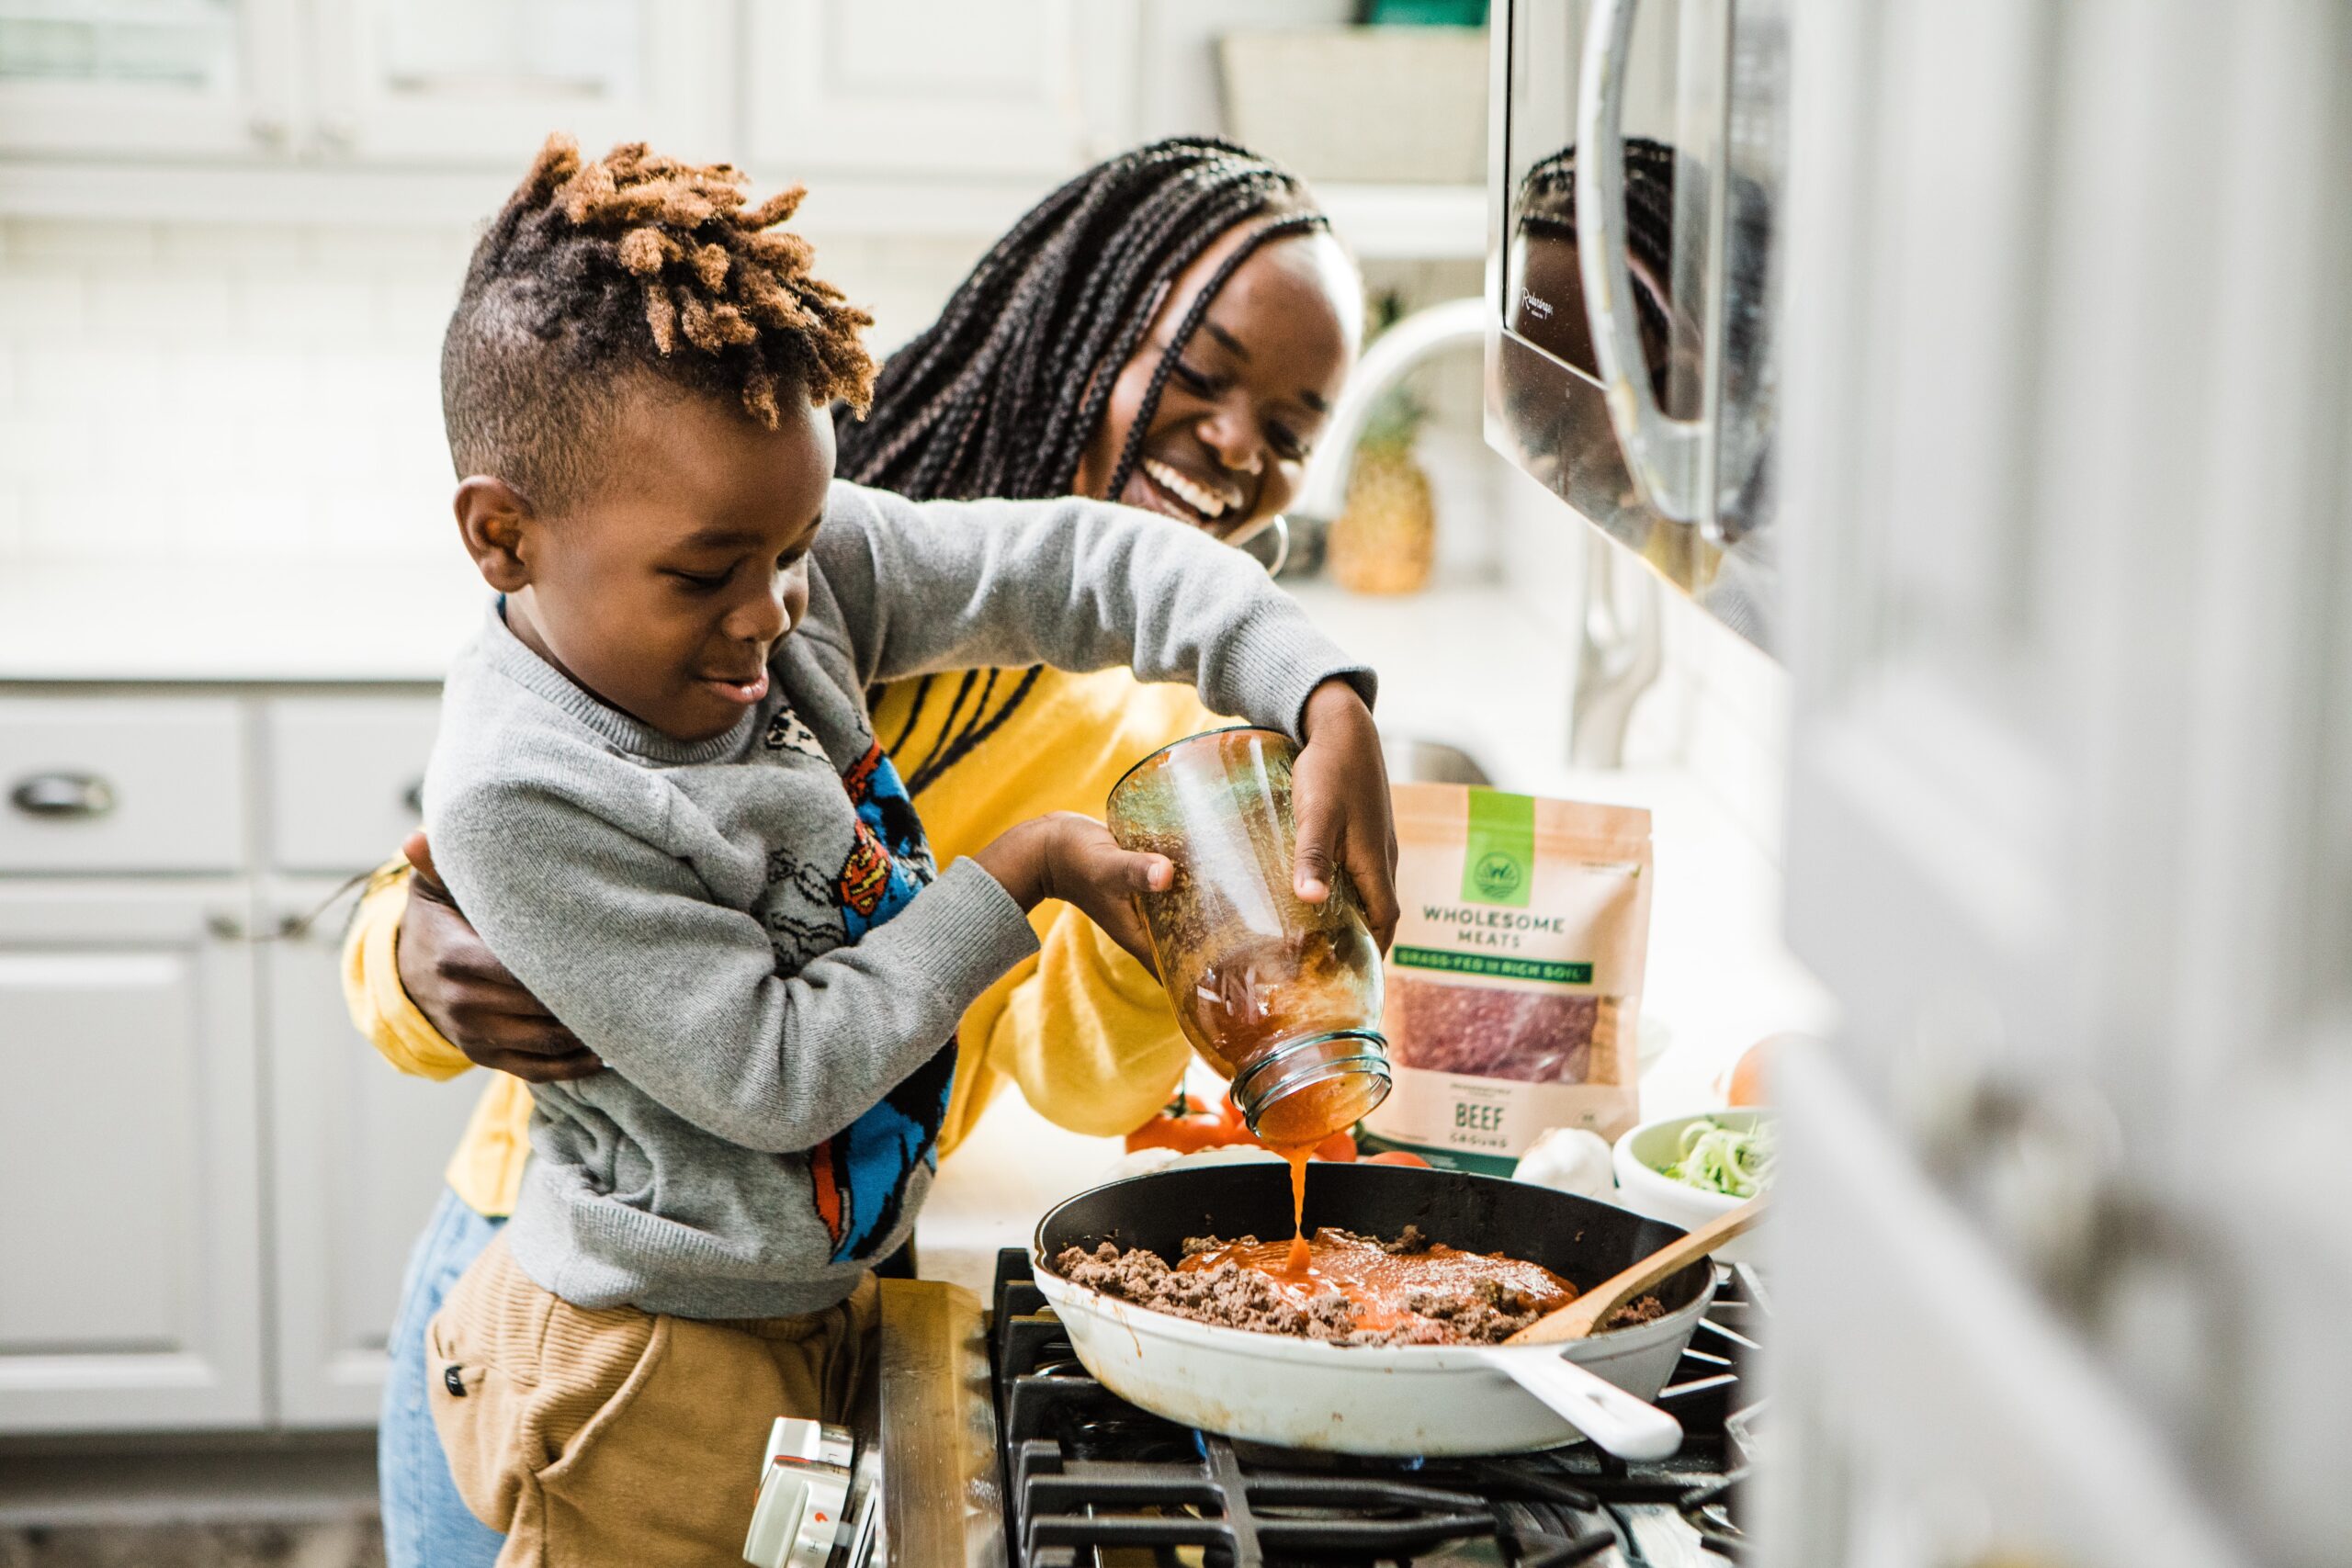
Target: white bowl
1640 1158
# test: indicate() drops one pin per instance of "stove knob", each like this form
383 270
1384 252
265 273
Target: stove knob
804 1493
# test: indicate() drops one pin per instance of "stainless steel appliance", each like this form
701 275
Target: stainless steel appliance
1635 172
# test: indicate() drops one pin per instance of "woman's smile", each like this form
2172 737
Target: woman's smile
1192 497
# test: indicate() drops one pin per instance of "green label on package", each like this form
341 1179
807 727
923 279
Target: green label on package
1499 867
1546 970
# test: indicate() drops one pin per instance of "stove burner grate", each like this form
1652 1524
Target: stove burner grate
1094 1481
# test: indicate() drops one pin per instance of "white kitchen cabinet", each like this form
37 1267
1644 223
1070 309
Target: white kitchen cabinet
227 1178
346 778
130 1254
483 82
128 784
906 117
357 1151
933 87
903 88
167 79
438 82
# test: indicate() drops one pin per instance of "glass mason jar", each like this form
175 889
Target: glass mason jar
1280 994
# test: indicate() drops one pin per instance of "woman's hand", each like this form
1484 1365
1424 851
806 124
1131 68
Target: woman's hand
1339 800
1074 858
448 973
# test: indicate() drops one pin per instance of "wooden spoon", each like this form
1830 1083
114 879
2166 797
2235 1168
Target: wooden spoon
1581 1317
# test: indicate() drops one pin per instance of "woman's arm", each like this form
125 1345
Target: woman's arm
380 1008
426 990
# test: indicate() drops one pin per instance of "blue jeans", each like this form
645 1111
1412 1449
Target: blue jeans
426 1524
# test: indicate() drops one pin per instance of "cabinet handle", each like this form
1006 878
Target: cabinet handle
62 794
413 797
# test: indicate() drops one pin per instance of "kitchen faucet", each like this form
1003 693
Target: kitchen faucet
1620 653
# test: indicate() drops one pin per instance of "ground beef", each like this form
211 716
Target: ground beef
1410 1242
1641 1309
1229 1294
1237 1297
1530 1037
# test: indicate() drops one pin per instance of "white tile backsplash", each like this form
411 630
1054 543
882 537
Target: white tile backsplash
78 244
47 448
211 245
38 303
282 304
277 387
140 305
1722 708
223 391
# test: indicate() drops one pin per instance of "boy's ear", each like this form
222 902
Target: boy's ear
493 519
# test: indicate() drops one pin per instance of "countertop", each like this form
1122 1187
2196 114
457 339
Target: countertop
325 621
220 622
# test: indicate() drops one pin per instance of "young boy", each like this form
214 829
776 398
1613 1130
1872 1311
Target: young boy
657 794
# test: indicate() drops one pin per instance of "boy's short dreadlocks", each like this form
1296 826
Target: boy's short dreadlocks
595 271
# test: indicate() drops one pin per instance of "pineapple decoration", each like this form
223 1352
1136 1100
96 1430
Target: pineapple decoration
1385 540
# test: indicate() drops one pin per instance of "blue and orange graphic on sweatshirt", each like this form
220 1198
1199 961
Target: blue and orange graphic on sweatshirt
860 1174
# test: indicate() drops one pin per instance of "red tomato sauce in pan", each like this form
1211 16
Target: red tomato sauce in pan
1381 1283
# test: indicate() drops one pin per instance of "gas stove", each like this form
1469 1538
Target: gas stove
980 1440
1091 1482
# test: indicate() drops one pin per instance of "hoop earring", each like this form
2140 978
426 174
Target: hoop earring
1270 545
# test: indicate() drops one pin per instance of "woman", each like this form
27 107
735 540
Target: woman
1168 330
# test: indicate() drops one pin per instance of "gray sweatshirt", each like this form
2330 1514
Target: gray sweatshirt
749 930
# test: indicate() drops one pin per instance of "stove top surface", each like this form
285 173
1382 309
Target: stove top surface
1091 1482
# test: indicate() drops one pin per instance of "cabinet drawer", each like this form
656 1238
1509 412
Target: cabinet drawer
121 783
344 777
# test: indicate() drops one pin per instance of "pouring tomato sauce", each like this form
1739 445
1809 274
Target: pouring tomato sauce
1377 1281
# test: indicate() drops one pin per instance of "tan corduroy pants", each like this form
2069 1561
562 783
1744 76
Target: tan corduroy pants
617 1437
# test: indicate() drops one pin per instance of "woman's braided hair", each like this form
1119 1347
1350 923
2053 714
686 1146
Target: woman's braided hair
634 262
1002 394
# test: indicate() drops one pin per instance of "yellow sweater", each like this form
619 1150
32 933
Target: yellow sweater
1081 1027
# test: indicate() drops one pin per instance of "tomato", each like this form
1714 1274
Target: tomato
1340 1146
1751 1078
1397 1156
1183 1134
1202 1128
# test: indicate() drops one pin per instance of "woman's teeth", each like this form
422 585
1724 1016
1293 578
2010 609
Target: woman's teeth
1207 502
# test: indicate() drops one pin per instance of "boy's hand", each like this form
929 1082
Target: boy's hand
1339 800
1075 859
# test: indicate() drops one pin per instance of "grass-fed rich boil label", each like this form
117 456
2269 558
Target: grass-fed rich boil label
1515 980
